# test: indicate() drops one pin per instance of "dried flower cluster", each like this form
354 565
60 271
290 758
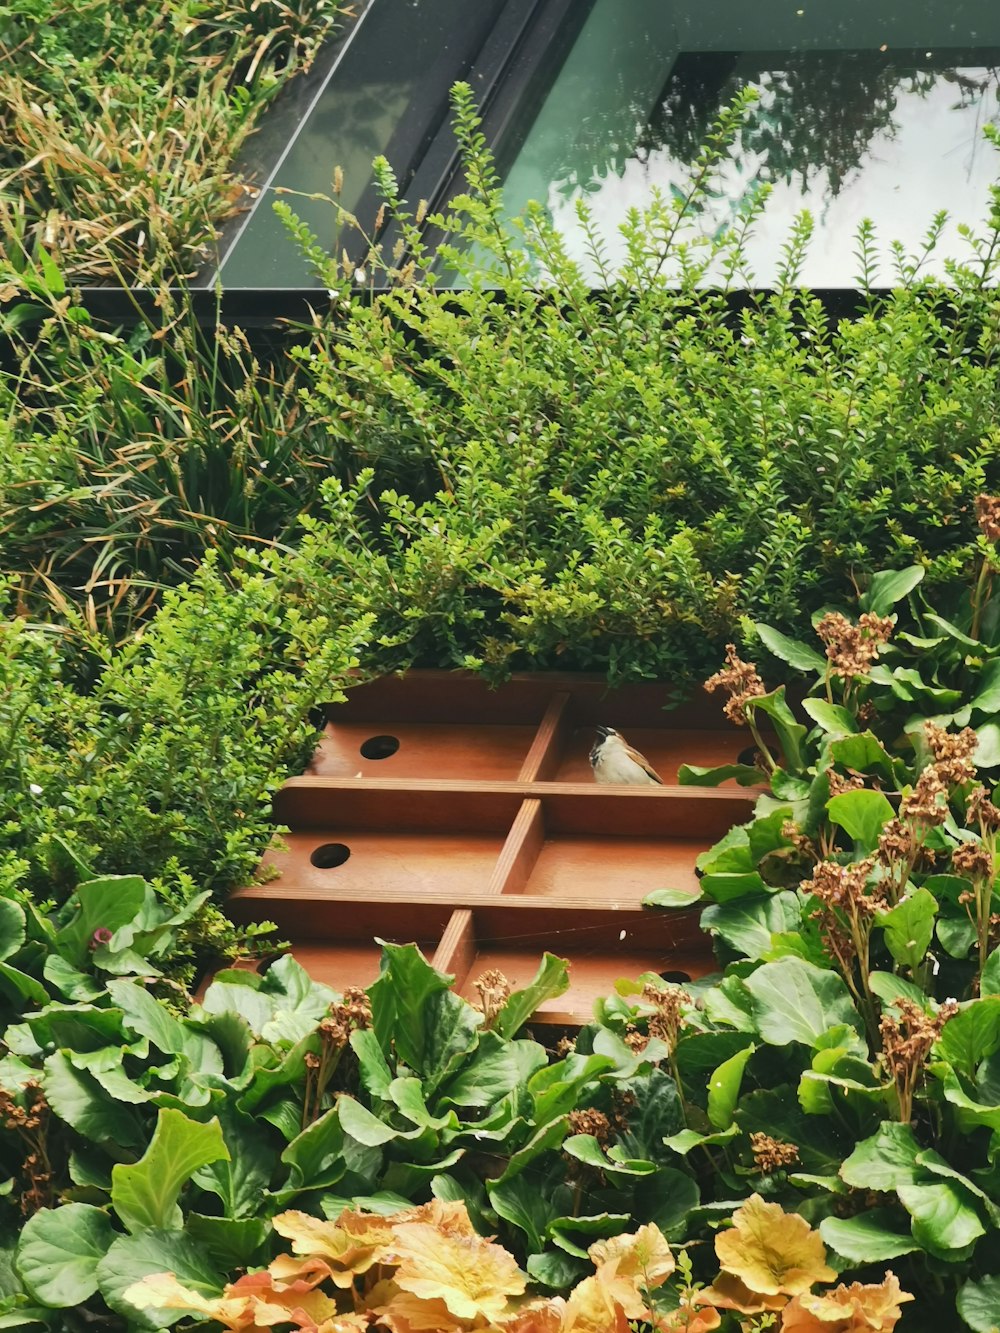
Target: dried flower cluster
953 752
772 1155
353 1012
669 1001
592 1122
907 1038
896 843
927 804
973 860
979 809
851 649
494 991
742 683
846 887
841 782
988 516
30 1124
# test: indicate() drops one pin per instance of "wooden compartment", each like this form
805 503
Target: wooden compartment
611 846
483 837
602 944
351 841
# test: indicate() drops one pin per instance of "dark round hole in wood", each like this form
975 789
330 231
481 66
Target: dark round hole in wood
747 756
317 717
678 978
330 855
379 747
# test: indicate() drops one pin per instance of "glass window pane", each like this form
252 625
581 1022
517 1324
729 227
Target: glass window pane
387 95
865 109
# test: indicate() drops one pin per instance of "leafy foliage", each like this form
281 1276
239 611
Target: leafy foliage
118 132
160 757
856 920
610 480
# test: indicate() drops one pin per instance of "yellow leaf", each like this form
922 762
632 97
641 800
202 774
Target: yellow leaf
472 1276
857 1308
686 1319
350 1245
730 1293
772 1251
593 1307
243 1314
644 1257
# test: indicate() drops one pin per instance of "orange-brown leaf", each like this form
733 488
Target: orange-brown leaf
858 1308
472 1276
772 1251
644 1257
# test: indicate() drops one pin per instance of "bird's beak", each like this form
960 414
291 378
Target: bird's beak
603 731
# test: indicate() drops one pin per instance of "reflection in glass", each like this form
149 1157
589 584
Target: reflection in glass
849 123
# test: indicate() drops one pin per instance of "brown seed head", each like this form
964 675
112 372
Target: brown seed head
988 516
927 803
896 842
952 751
592 1122
972 860
908 1036
494 992
772 1155
980 809
742 683
851 649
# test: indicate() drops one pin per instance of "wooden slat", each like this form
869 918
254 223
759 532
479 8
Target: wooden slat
457 948
545 755
520 851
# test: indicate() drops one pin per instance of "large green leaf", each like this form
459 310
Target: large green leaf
971 1035
747 924
657 1113
316 1156
59 1250
989 983
152 1019
909 926
798 655
746 775
987 753
793 1000
11 927
415 1012
495 1069
832 718
870 1238
621 1171
862 754
979 1304
551 979
791 734
102 904
530 1209
728 888
132 1258
724 1088
241 1178
79 1099
987 696
885 1161
145 1193
862 815
943 1213
888 587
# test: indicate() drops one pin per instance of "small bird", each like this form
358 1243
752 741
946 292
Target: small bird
614 760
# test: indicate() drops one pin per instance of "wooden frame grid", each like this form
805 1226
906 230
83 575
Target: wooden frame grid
473 826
